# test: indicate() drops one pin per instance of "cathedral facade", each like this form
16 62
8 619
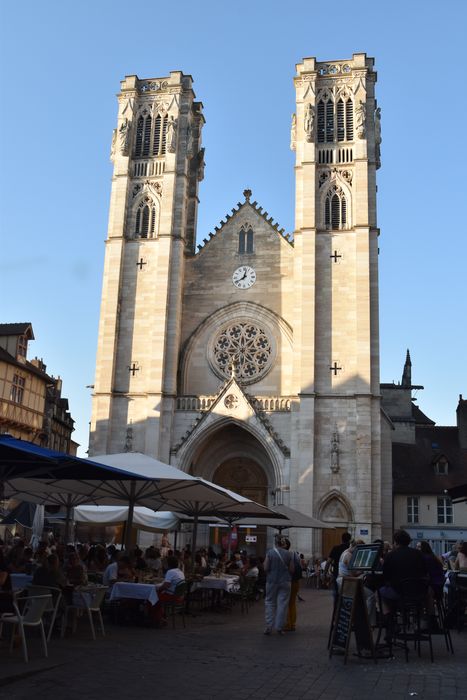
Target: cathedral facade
252 361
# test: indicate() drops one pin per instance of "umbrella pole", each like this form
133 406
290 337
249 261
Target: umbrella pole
129 521
195 532
67 519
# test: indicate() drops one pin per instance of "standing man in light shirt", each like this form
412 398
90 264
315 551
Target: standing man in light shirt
279 566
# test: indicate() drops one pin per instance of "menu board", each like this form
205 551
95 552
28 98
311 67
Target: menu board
351 615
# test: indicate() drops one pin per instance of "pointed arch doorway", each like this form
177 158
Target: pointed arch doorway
235 459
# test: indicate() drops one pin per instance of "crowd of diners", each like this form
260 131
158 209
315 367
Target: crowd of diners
398 562
67 567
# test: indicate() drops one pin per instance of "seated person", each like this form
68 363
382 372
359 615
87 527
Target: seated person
344 570
110 574
50 574
403 562
235 564
251 568
461 559
75 573
97 559
152 557
138 560
6 594
434 568
125 570
173 576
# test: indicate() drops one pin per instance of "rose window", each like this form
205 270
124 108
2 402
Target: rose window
244 349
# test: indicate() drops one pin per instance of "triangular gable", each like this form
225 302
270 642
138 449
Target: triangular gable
256 210
232 403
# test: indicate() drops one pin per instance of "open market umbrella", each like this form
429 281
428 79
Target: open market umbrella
175 490
287 518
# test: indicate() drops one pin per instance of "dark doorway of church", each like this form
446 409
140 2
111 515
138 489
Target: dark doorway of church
246 477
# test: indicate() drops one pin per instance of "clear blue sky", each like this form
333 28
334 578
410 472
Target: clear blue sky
61 66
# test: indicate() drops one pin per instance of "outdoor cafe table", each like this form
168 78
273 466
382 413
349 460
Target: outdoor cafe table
135 591
20 581
223 583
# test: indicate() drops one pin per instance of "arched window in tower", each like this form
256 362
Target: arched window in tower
349 119
143 232
246 241
164 134
344 114
335 209
139 136
147 135
335 119
325 120
241 241
157 135
249 241
145 221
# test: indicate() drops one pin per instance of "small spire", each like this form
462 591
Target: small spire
247 195
407 373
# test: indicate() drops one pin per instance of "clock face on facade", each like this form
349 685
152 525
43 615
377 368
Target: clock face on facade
244 277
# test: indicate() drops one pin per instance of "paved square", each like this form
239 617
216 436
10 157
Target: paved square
225 655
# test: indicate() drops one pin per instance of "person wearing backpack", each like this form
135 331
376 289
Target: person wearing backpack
294 587
279 566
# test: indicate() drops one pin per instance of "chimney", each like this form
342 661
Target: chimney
461 413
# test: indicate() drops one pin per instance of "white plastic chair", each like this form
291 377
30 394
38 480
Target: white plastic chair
52 608
91 601
31 616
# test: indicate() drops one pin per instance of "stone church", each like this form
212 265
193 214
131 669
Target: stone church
252 361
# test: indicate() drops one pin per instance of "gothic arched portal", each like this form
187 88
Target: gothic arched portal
233 458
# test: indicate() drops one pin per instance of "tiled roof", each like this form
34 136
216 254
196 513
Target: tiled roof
419 417
15 328
413 464
25 366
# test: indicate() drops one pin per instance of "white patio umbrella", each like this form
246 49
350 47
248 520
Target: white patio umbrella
144 518
169 488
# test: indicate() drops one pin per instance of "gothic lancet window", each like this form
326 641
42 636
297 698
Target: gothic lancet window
145 222
245 241
151 136
335 209
147 135
139 136
335 120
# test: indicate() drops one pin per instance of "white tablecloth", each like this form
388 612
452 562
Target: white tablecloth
224 583
20 581
138 591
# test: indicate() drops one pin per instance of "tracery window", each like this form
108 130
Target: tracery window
245 241
151 135
145 223
335 120
335 209
245 347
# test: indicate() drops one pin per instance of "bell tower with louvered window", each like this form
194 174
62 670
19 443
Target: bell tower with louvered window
336 290
158 163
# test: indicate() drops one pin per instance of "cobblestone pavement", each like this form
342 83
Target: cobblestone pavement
225 655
